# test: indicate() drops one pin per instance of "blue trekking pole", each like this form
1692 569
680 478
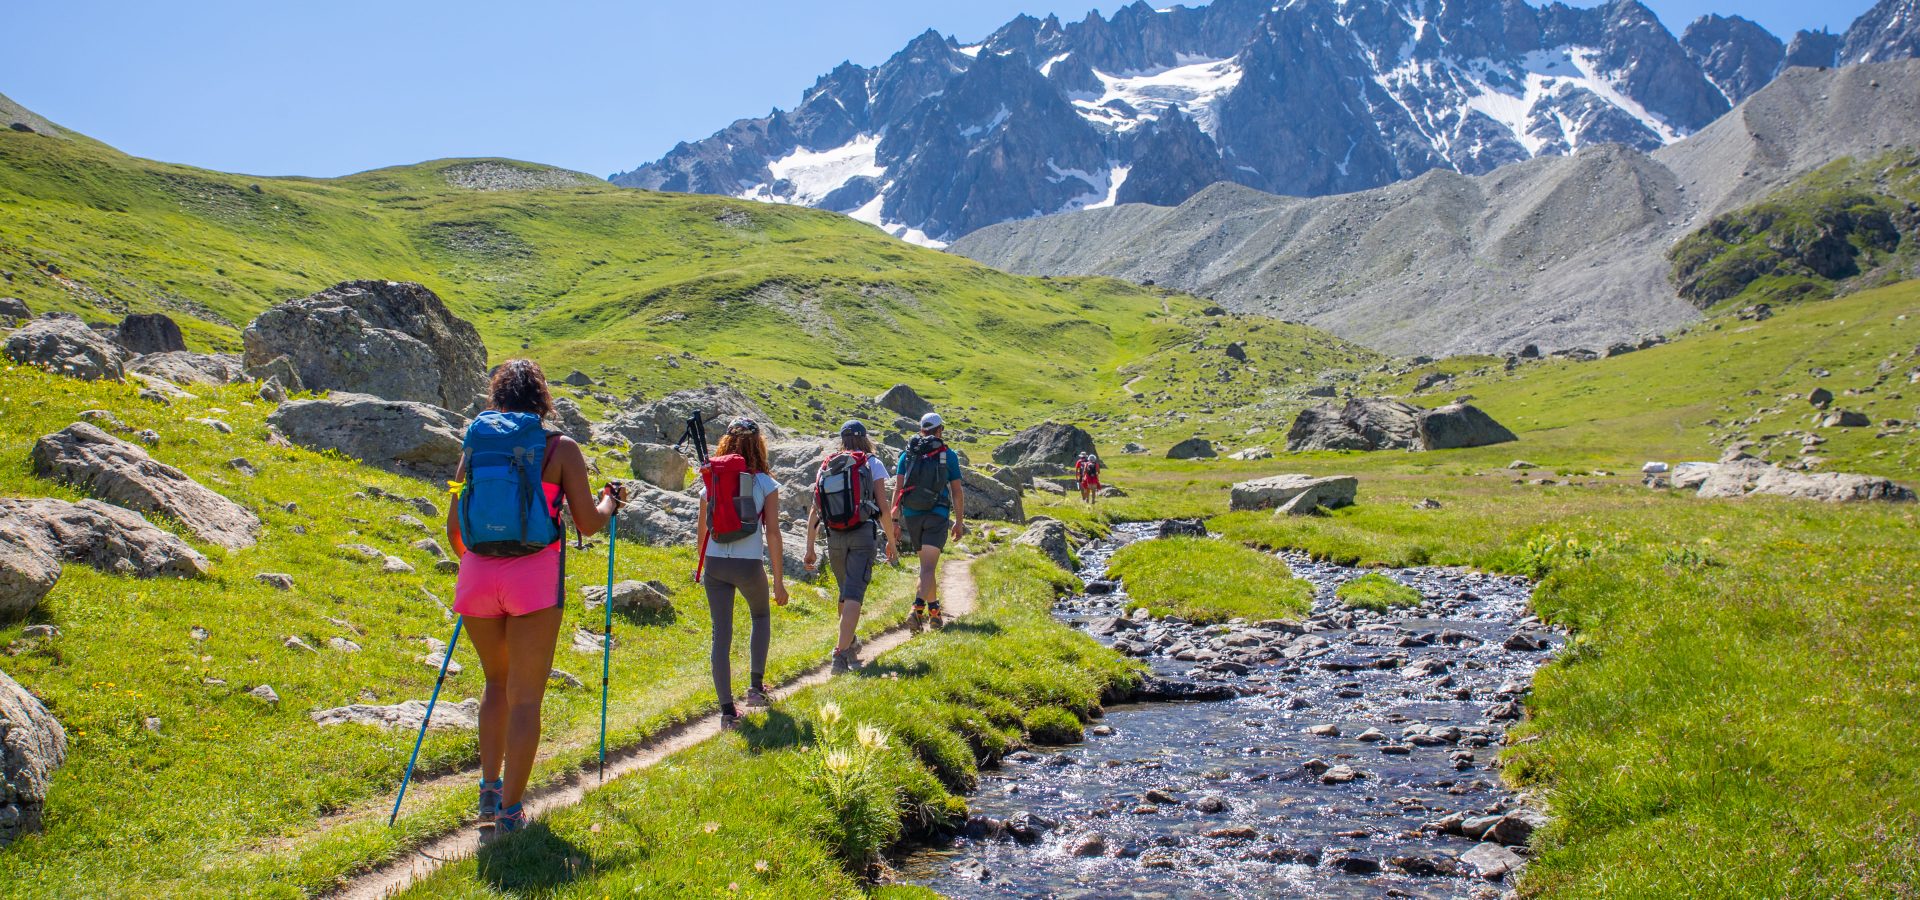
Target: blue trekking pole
606 652
445 659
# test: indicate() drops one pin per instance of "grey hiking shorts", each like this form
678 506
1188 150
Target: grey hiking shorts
852 554
926 530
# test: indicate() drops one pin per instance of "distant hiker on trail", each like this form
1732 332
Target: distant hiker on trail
1086 470
739 533
933 505
511 542
847 498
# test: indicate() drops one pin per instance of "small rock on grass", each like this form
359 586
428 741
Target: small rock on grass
264 693
293 642
343 645
40 631
433 660
565 678
394 565
275 579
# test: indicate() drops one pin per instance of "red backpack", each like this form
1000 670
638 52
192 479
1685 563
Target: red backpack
840 490
731 514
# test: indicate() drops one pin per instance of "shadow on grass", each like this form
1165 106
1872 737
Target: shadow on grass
773 730
984 629
536 859
915 669
645 617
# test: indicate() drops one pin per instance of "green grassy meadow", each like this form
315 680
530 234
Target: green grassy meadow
1207 581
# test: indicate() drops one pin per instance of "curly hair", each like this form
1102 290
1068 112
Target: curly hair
748 444
519 386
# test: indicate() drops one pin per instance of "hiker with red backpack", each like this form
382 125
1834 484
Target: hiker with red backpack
931 504
738 533
505 527
847 497
1086 470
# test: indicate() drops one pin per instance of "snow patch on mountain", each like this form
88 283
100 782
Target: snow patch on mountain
1192 86
806 177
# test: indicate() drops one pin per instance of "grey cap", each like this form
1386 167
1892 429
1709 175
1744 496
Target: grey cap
930 421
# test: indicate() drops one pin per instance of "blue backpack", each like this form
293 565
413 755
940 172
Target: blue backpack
503 511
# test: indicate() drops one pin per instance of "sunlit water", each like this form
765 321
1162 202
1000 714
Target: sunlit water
1228 799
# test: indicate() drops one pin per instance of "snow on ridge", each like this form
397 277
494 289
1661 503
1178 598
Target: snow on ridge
870 214
814 174
1193 86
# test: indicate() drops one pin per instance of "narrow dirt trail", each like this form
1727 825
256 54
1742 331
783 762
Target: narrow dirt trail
958 595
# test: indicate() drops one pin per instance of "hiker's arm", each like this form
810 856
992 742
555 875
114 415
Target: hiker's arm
776 551
813 526
453 514
959 492
889 522
590 514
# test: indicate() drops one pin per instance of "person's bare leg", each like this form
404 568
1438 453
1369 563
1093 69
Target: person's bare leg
929 574
530 642
489 638
849 623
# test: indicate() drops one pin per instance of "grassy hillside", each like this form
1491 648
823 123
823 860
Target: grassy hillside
1848 225
581 274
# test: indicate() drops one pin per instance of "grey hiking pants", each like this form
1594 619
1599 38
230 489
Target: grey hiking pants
749 577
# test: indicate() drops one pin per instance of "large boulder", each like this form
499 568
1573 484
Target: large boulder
1050 443
1192 448
989 499
414 439
570 420
1378 423
181 367
1458 425
61 343
659 518
37 535
663 421
1275 491
659 465
1049 536
122 473
150 333
393 340
1751 476
904 400
32 746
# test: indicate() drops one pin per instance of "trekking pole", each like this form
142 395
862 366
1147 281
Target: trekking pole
445 659
606 651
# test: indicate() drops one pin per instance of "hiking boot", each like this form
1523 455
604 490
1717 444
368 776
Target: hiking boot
510 820
935 620
917 619
844 661
729 722
491 793
757 697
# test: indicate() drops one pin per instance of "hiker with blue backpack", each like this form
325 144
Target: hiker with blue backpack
847 495
738 532
506 528
931 504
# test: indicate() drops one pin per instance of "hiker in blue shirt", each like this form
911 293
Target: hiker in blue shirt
932 505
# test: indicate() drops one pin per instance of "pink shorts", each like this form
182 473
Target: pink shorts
490 587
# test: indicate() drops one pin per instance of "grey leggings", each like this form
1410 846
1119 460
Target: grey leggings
749 576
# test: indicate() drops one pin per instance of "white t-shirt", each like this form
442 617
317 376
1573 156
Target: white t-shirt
753 546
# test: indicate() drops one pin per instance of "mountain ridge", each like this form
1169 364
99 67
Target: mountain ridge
1559 252
1306 97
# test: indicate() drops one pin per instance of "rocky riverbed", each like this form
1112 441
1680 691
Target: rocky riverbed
1357 756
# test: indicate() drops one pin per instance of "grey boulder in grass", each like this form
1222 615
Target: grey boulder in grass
181 367
1192 448
1051 443
32 746
37 535
904 400
406 715
61 343
1751 476
391 339
414 439
663 421
1379 423
150 333
122 473
1275 491
1049 536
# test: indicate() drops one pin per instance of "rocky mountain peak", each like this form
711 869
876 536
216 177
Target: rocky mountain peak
1305 97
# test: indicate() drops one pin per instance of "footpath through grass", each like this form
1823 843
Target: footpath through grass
1205 581
232 797
804 797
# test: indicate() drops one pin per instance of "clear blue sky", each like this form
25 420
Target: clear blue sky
299 87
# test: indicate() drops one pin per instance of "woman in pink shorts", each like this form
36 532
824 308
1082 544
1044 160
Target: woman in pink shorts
512 605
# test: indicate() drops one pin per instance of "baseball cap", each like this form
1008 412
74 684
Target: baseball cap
930 421
742 424
853 426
